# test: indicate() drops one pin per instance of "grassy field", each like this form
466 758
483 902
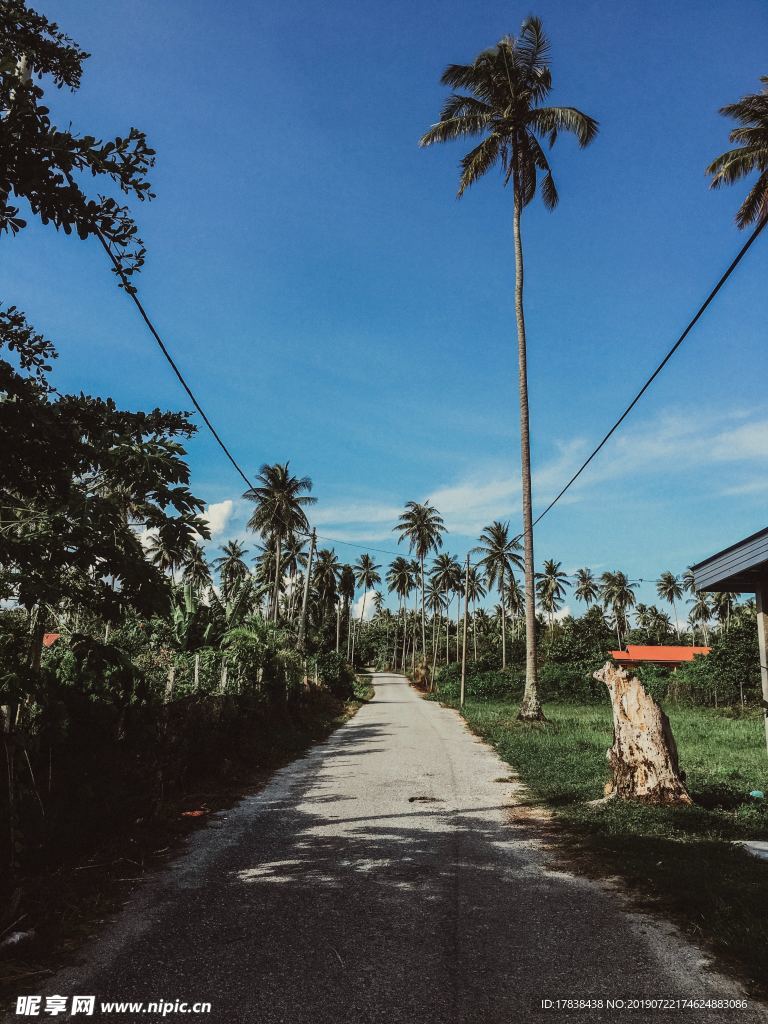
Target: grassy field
682 860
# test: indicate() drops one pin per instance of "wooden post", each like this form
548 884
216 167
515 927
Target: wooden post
303 623
464 644
762 639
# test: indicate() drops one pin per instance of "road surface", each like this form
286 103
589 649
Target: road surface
379 879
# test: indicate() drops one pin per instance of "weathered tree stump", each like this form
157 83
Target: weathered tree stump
643 757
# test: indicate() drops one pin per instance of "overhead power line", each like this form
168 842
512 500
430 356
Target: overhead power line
180 376
656 372
146 318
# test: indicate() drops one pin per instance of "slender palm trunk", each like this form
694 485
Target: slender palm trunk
338 624
447 632
404 635
423 619
503 621
360 627
415 631
677 624
531 706
276 592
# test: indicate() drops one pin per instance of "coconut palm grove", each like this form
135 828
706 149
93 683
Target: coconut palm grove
154 668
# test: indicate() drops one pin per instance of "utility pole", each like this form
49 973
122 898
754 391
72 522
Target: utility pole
762 638
464 645
303 623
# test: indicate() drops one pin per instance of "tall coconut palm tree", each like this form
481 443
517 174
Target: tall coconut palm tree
280 500
689 581
499 555
367 577
643 616
722 606
458 589
294 559
668 588
347 595
700 614
326 579
475 592
618 594
586 588
197 572
167 551
750 155
230 565
399 582
414 570
659 624
550 589
437 605
445 574
423 527
515 602
504 88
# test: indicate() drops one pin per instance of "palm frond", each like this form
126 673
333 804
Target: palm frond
478 161
755 206
455 128
465 106
549 194
735 164
533 44
550 121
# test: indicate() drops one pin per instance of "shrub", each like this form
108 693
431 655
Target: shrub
335 673
569 682
482 686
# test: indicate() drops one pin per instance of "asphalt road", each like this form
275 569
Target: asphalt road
379 879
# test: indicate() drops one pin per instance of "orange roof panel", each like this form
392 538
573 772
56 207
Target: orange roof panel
669 653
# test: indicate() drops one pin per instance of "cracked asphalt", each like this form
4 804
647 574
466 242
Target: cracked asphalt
381 878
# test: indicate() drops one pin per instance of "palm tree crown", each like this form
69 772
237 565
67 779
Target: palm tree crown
366 572
505 85
586 589
618 594
423 527
499 554
197 572
551 587
280 500
749 156
231 565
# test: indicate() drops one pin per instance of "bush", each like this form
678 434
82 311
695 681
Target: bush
656 681
481 686
335 673
569 682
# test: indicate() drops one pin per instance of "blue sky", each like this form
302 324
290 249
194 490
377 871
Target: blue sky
333 304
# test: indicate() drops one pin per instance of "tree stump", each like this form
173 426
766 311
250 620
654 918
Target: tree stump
643 757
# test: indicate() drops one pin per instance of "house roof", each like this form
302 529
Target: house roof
740 568
664 653
49 639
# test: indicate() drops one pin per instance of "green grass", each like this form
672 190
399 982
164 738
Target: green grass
682 860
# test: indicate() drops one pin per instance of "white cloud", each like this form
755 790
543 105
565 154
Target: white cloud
218 516
357 607
356 512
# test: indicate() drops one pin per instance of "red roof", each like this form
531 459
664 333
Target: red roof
665 653
49 639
